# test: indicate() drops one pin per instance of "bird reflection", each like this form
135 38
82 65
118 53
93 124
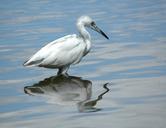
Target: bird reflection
67 90
89 105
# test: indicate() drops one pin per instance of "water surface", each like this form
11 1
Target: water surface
132 62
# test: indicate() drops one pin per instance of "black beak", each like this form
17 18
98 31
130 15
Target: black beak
94 27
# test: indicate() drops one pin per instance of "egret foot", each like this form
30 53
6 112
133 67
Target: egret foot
63 71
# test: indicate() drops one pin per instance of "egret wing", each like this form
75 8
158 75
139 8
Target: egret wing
58 52
64 53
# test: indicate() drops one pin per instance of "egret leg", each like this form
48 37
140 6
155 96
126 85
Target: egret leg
63 70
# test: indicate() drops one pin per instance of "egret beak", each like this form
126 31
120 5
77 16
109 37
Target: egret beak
95 28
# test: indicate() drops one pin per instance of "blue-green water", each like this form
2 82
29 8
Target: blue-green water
133 62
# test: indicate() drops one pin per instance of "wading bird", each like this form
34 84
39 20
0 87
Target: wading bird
68 50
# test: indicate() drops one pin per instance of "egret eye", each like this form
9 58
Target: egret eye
92 23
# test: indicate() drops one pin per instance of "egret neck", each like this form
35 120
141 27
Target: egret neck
84 34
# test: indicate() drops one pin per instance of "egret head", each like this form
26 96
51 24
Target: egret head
88 22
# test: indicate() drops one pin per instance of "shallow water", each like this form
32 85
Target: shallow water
119 84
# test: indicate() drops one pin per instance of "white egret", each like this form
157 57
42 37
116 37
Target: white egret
70 49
